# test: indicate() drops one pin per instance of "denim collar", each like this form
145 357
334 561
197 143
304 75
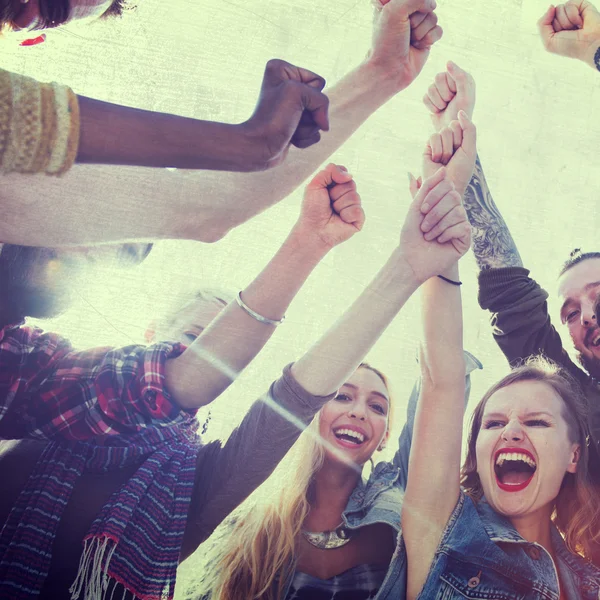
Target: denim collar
365 493
500 529
497 526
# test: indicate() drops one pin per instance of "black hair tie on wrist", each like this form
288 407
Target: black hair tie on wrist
450 280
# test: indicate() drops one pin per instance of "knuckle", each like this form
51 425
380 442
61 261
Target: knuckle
275 65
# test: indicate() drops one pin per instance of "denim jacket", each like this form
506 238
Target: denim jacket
379 500
481 555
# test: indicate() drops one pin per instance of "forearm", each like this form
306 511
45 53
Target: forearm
232 341
352 100
433 483
520 320
92 204
98 203
333 359
493 244
442 360
119 135
592 57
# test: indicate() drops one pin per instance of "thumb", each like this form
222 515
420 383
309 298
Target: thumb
413 185
459 76
405 8
545 23
469 141
330 175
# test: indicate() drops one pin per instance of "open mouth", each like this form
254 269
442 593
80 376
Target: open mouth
349 438
594 340
514 469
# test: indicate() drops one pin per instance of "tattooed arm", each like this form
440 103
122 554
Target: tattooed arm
518 307
493 244
452 91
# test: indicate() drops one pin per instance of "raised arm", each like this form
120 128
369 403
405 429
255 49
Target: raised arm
402 455
493 244
334 358
572 30
432 489
520 319
291 110
454 90
47 390
93 204
47 127
331 213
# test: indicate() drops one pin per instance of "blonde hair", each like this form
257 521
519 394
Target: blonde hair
577 507
251 555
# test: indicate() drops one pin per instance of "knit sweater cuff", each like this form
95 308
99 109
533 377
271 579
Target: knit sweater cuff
494 281
39 126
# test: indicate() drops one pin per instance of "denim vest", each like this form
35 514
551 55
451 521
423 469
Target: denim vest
482 556
379 500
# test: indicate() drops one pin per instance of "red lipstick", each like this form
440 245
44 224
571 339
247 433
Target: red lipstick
513 487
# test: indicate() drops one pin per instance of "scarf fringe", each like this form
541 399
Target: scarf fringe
92 575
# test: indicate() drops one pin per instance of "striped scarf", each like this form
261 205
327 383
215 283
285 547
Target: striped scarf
136 538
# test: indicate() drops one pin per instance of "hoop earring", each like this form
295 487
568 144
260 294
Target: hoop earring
372 464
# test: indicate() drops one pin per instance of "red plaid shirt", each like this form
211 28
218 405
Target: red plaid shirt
49 391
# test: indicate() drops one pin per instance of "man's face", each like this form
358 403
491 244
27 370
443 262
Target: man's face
29 15
38 282
578 291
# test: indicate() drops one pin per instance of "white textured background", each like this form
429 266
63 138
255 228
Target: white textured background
538 128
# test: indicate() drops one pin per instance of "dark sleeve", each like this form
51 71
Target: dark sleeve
226 476
404 443
49 391
520 320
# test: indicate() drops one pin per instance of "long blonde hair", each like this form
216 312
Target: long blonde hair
251 555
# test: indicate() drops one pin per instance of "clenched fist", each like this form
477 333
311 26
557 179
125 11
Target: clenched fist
291 109
331 210
452 91
572 30
454 146
403 33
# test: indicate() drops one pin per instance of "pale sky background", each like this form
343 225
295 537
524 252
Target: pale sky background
537 134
